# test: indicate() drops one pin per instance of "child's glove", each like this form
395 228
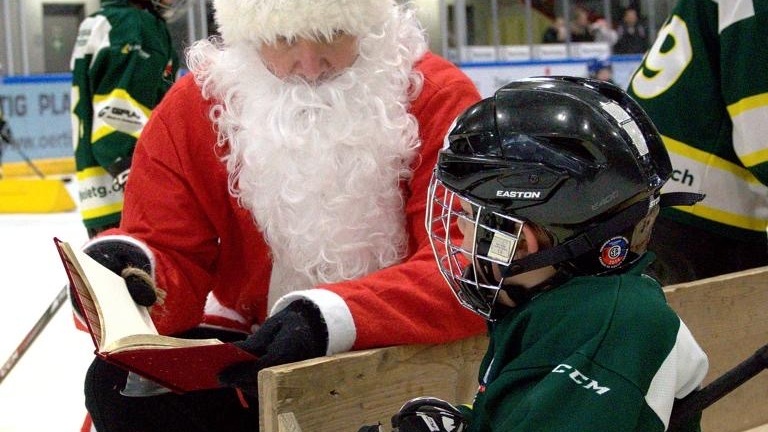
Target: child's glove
428 414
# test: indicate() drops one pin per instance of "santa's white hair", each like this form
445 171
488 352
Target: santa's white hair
320 166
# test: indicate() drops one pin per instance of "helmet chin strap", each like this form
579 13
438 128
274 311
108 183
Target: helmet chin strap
522 295
594 237
585 242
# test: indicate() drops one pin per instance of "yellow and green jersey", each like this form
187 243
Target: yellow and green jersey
122 65
705 85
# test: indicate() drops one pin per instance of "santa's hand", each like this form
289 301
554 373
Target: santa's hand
129 261
296 333
428 414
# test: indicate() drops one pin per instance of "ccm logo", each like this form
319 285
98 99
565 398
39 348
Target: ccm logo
580 379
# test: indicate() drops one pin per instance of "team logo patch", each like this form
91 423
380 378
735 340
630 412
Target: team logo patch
614 252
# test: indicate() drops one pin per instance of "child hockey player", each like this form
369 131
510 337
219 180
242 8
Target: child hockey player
553 184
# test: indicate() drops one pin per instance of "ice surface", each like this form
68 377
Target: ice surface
43 393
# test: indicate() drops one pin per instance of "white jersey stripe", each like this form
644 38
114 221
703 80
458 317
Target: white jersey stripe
696 171
686 359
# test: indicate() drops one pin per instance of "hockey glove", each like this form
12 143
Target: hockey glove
130 262
5 133
119 170
428 414
296 333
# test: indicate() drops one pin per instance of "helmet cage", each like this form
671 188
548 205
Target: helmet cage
474 275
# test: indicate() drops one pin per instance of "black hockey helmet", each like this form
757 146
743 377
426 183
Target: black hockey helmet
575 157
169 12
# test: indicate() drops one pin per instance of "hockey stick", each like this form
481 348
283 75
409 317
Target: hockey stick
33 333
12 143
697 401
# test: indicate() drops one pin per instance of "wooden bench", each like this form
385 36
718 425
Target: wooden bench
345 391
727 314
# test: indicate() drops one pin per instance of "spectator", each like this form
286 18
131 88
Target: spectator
551 252
601 70
556 32
122 65
632 36
581 29
603 32
581 26
702 84
277 195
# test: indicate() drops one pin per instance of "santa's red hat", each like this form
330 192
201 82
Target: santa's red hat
258 21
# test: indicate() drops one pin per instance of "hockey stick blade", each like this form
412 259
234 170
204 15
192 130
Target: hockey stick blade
697 401
33 333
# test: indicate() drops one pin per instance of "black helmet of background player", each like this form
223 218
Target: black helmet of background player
577 158
168 11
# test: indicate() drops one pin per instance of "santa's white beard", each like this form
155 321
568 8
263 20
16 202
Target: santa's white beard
319 167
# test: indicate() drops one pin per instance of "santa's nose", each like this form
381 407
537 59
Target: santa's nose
309 62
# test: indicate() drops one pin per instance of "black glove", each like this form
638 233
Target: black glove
5 132
371 428
119 170
130 262
428 414
296 333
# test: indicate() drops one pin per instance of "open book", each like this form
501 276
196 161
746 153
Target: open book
123 332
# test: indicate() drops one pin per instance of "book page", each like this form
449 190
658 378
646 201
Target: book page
130 340
145 341
120 316
81 294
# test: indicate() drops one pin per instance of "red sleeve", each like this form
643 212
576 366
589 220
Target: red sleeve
163 207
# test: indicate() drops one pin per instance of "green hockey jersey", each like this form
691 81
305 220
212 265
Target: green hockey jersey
594 354
705 85
122 65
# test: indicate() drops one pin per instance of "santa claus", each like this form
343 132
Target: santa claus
316 143
278 195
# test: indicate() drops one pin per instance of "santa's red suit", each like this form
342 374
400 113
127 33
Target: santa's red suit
179 207
256 184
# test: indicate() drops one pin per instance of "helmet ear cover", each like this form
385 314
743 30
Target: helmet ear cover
587 241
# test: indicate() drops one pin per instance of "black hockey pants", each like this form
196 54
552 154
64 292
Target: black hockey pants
200 411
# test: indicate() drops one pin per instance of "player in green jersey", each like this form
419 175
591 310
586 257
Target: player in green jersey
122 65
5 138
539 214
704 82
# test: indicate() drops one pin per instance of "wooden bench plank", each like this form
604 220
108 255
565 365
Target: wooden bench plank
346 391
727 314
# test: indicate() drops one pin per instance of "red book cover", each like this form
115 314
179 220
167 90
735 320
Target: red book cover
123 332
180 369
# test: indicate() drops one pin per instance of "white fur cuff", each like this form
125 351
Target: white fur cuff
338 318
